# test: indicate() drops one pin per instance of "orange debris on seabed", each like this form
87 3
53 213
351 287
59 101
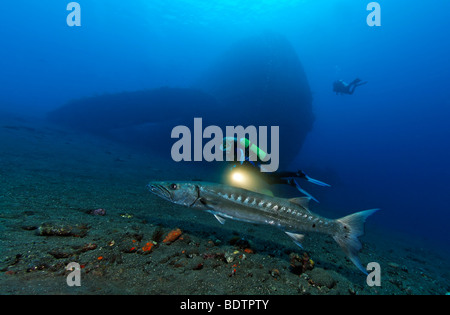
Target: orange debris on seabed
172 236
148 247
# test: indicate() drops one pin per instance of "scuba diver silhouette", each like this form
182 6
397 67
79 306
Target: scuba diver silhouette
340 87
250 157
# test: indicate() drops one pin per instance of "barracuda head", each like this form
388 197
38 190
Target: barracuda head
181 193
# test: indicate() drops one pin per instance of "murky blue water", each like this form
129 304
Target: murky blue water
384 146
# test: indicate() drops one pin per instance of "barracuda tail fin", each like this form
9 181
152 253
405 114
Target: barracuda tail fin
352 226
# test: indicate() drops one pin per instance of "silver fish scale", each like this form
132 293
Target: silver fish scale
252 207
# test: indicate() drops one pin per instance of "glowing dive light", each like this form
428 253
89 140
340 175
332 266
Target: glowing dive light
238 177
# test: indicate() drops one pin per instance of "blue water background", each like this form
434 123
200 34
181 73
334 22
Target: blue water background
388 143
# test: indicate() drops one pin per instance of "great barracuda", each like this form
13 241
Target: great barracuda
290 215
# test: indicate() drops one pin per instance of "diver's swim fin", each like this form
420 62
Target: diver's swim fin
362 83
304 191
315 181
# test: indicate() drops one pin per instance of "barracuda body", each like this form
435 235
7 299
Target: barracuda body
290 215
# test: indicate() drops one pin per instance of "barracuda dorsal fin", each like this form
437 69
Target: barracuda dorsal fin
301 201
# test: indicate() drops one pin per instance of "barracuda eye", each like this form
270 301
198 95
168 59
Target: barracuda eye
173 186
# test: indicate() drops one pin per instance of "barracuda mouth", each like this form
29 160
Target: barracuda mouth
160 191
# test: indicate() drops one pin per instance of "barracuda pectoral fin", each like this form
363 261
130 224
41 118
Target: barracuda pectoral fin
217 216
220 219
297 238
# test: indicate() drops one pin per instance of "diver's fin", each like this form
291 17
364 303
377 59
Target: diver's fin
304 191
315 181
301 201
297 238
347 236
361 83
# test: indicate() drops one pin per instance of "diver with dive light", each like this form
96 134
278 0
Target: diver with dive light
254 161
